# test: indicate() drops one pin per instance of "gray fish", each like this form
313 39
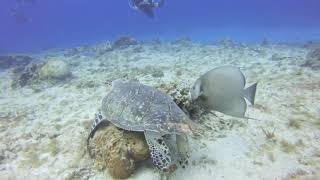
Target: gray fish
222 89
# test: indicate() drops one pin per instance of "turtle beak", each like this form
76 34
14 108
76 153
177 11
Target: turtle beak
188 128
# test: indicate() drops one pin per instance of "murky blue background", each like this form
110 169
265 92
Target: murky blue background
66 23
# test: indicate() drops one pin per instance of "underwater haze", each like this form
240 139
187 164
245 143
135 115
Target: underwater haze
60 23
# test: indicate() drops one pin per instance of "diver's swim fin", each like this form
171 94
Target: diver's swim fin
132 6
148 11
159 4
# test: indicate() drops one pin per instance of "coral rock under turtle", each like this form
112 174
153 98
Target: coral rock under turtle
118 150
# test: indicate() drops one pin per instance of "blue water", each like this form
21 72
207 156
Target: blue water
66 23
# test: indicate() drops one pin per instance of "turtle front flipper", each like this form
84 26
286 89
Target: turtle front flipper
98 122
160 152
179 148
183 149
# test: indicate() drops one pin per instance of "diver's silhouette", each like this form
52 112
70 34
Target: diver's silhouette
146 6
19 16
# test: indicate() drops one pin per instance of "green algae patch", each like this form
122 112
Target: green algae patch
52 147
288 147
31 159
295 123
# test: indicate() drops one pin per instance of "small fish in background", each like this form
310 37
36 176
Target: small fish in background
27 1
222 89
19 16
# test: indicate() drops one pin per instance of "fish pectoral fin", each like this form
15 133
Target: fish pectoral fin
236 108
201 93
250 93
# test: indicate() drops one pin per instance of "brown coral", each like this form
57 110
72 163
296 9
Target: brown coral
118 150
180 95
137 146
120 166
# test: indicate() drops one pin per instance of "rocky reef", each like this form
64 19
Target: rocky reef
312 44
118 150
14 61
180 95
22 76
124 42
103 48
54 69
227 42
265 41
313 59
183 41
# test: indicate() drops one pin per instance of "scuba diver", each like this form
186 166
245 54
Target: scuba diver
146 6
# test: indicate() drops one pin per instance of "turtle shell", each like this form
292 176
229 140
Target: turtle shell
136 107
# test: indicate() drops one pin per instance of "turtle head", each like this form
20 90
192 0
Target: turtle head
187 128
192 127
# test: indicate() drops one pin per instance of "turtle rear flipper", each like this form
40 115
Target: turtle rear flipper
160 152
98 122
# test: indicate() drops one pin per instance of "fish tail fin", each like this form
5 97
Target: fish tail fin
250 93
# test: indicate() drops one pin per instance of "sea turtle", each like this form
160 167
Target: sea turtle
136 107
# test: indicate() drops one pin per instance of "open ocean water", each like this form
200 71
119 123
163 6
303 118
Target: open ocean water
54 24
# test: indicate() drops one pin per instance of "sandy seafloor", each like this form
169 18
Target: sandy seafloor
43 130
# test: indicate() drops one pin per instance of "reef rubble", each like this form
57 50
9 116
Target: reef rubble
313 59
14 61
124 42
